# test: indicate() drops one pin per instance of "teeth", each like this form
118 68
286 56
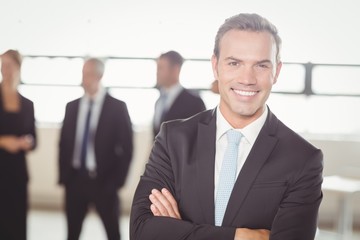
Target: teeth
244 93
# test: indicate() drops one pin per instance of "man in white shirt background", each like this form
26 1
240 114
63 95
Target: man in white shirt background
95 150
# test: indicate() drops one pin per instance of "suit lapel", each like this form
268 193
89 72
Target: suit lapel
258 155
205 167
103 109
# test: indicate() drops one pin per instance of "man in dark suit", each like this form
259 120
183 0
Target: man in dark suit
276 190
96 146
175 101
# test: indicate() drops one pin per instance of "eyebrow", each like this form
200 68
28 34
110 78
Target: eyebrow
239 60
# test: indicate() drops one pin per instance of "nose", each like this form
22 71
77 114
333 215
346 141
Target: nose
246 76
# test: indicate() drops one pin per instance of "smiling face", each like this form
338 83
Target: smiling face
246 69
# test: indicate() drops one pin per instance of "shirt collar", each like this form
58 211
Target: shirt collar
173 90
250 132
172 93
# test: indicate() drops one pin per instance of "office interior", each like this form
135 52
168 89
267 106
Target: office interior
317 94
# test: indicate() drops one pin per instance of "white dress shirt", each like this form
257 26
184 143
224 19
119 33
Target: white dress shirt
250 133
80 128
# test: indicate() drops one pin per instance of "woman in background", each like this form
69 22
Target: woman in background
17 137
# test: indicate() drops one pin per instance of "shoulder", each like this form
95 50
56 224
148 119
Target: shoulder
288 138
190 93
291 150
73 102
188 124
26 101
112 100
73 105
192 99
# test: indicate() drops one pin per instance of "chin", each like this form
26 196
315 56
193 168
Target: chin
247 112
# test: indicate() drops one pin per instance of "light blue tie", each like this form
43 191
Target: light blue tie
227 175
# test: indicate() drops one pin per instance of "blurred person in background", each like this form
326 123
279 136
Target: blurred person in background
96 147
175 101
17 137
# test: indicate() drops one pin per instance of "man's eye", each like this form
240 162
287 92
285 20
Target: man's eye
233 63
263 65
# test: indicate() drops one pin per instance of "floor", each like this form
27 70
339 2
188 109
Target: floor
42 224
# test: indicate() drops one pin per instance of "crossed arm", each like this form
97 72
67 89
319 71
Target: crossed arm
157 214
15 144
163 204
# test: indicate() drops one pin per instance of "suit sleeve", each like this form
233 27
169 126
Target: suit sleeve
159 174
62 147
298 212
32 125
124 146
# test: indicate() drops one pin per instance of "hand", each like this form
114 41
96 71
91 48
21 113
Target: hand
14 144
26 142
252 234
10 143
164 204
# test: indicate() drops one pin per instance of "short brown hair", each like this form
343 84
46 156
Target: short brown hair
247 22
174 58
100 65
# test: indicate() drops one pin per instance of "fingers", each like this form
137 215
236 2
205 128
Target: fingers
154 210
26 142
163 204
172 201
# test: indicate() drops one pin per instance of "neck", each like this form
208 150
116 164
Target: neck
9 85
240 121
93 93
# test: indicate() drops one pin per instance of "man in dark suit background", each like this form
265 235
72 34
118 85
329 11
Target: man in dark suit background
96 146
175 101
276 192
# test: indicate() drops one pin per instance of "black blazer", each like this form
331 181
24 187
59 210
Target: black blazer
14 166
113 142
185 105
278 188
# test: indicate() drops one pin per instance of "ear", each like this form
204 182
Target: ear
278 69
176 70
214 63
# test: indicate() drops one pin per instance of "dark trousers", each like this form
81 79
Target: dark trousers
13 211
84 192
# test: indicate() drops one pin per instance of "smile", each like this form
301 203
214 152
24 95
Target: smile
245 93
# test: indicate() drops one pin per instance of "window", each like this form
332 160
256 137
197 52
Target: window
196 74
343 80
291 79
52 71
130 73
52 82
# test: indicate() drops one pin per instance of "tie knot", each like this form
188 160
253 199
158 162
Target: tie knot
233 136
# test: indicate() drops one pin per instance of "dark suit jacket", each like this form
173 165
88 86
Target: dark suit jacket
185 105
13 166
278 188
113 142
